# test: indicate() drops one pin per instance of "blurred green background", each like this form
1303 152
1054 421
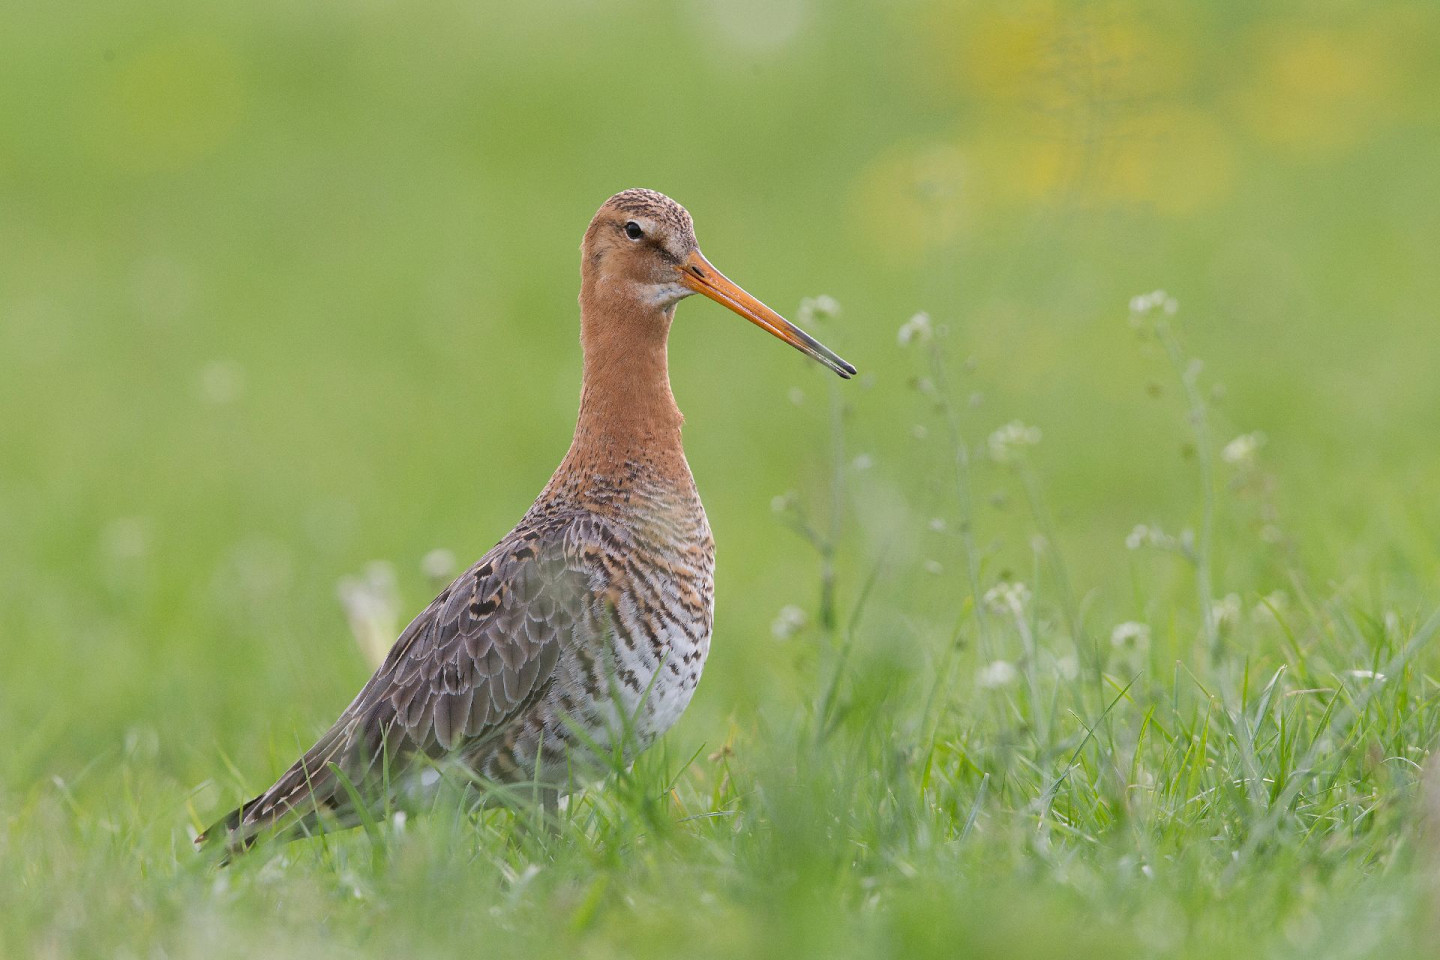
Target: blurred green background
286 288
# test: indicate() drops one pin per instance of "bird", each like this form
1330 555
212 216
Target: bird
581 636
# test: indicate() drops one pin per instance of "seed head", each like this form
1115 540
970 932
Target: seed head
1008 443
1010 596
915 330
788 622
1244 450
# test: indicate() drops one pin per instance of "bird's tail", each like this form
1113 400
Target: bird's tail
312 793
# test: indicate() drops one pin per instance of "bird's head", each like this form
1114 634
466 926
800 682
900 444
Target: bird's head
640 248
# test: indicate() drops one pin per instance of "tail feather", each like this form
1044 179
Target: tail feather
306 794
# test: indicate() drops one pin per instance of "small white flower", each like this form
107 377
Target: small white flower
915 330
1226 611
1147 536
1009 596
1244 449
818 308
933 567
1366 675
1146 304
862 462
788 622
1001 673
438 564
1007 443
1131 637
937 524
372 603
1068 667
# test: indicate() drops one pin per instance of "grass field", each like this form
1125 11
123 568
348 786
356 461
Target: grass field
1086 622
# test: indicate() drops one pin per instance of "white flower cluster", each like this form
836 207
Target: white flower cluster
1001 673
1244 449
1007 443
372 605
924 385
915 330
1144 304
817 308
1010 596
1130 637
1147 536
788 622
438 564
1226 611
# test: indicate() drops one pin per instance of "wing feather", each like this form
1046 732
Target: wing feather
477 656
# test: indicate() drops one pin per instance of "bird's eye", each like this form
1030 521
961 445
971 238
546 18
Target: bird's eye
633 231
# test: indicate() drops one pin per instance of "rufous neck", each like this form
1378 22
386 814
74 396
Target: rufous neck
627 411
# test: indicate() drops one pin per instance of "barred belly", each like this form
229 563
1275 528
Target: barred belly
634 664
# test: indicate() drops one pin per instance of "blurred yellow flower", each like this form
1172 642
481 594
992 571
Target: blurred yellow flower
1084 104
1319 90
1170 161
168 106
1039 54
1174 161
910 200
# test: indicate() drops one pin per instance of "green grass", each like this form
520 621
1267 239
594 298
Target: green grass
998 786
284 291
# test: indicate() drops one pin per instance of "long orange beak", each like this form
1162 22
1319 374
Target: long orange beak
698 274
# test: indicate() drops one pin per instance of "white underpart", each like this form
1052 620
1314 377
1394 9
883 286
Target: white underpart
664 696
662 294
636 719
